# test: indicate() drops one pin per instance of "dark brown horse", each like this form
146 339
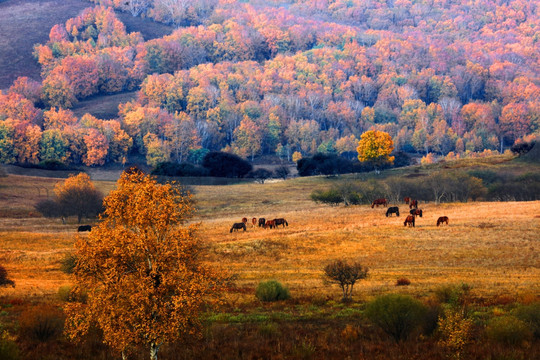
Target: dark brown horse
84 228
238 226
392 210
442 219
409 221
416 212
270 224
281 221
378 202
244 220
406 200
262 222
413 204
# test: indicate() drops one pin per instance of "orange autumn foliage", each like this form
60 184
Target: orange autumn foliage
139 268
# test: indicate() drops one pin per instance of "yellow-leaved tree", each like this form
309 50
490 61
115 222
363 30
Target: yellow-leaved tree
139 268
375 147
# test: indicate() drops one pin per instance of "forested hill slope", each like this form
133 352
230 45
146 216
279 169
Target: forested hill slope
281 77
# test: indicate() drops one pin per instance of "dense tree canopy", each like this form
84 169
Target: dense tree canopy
282 76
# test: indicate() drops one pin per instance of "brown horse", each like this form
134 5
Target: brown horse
409 221
244 220
254 221
416 212
280 221
406 200
262 221
379 202
238 226
442 219
413 204
270 224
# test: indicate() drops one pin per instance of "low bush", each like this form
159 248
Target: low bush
8 347
41 323
272 290
508 330
67 264
397 315
403 282
530 314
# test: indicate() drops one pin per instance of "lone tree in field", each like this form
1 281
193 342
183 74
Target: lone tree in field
375 147
140 269
345 275
78 196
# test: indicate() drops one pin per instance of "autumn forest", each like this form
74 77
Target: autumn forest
278 77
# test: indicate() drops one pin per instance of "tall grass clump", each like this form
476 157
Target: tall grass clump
272 290
41 323
397 315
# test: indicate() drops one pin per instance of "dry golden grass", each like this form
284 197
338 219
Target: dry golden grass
491 246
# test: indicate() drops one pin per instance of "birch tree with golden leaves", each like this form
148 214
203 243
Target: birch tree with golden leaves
140 269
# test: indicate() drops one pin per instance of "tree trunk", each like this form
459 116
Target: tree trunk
153 351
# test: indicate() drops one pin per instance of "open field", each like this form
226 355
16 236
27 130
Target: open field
491 246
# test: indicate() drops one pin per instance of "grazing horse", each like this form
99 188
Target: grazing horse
416 212
84 228
413 204
406 200
280 221
262 221
270 224
238 226
442 219
409 220
392 210
379 202
254 221
244 220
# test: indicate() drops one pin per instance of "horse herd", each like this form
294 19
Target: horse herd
262 222
413 213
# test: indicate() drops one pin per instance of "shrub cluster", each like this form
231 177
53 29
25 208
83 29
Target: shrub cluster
397 315
272 290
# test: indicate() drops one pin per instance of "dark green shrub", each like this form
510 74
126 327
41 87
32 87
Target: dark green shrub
53 165
183 169
397 315
221 164
331 197
508 330
530 314
272 290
